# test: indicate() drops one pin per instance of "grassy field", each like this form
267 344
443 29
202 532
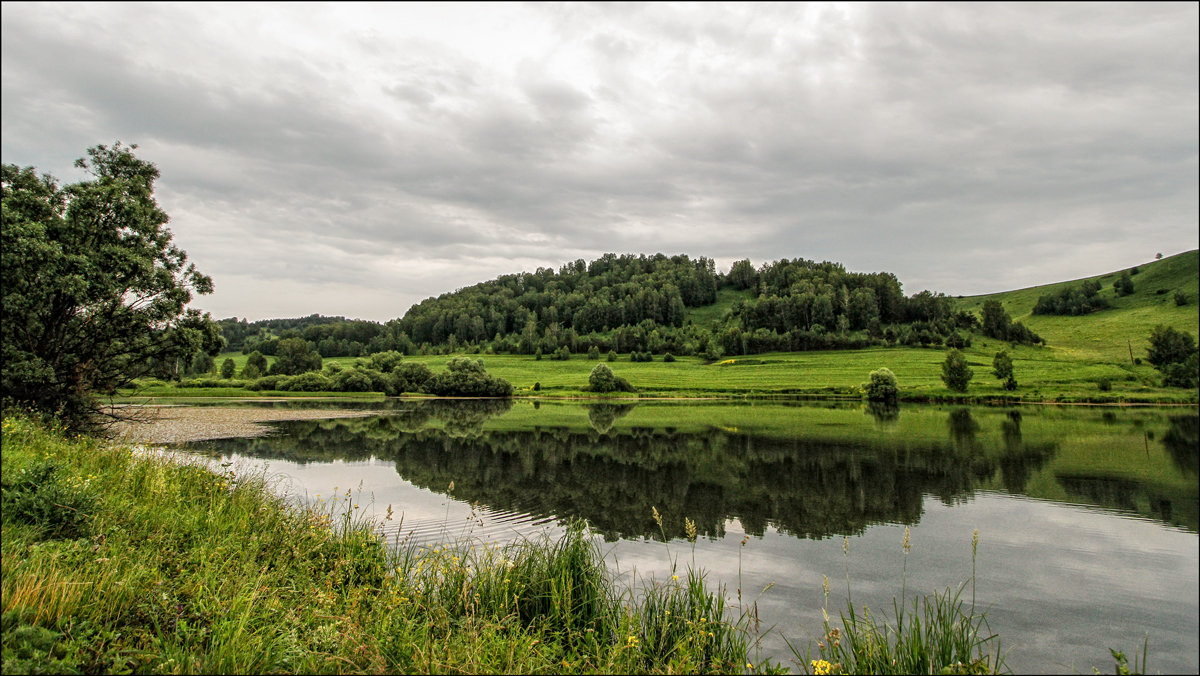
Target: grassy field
1079 354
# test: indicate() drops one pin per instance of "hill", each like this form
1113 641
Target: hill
1110 335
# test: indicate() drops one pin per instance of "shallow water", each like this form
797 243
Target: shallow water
1087 517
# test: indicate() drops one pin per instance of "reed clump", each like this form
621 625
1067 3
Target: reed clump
119 560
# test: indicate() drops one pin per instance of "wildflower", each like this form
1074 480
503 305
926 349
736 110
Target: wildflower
821 667
906 545
675 577
689 527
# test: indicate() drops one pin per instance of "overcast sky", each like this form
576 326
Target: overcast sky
354 159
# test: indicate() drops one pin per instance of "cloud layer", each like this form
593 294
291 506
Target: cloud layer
353 160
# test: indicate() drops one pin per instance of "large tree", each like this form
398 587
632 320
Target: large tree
94 291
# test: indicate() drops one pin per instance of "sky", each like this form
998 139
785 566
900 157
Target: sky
354 159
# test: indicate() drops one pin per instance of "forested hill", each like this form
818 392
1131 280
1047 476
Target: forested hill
655 304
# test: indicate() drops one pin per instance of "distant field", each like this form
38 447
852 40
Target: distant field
1080 352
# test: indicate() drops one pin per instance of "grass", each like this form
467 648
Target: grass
116 560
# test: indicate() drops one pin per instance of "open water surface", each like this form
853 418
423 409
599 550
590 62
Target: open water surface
1087 517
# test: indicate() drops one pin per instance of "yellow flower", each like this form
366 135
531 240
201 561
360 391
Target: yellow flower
822 667
675 577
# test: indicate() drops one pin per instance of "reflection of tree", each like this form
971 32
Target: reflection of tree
885 413
803 486
602 416
1182 440
962 429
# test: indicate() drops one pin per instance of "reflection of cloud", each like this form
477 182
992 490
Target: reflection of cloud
981 145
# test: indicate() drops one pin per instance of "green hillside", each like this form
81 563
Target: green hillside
1109 335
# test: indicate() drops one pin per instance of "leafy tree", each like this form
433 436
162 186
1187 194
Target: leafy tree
119 292
466 377
387 361
228 369
1169 345
294 356
1002 368
1123 284
602 379
882 386
409 377
995 320
593 353
612 356
955 371
1184 373
256 365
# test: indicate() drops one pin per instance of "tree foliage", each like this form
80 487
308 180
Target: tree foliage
1072 300
466 377
881 386
955 371
602 379
1174 354
94 290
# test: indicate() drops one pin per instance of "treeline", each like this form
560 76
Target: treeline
328 336
642 304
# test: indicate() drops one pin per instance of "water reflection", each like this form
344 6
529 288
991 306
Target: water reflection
809 486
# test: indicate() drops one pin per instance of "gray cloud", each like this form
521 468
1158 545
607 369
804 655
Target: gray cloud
967 148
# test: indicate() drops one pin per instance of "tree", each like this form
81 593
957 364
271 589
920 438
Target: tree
1002 368
955 371
1123 284
882 386
466 377
602 379
120 288
995 320
1169 345
294 356
256 365
228 369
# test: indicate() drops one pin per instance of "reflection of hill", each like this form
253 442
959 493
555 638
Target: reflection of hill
808 487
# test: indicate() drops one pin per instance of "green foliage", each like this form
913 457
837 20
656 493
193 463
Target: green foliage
612 356
1183 374
1123 284
668 357
956 374
1169 345
1002 368
1072 300
41 496
410 377
602 379
294 356
1180 298
116 307
593 353
256 365
228 369
386 362
465 377
881 386
995 322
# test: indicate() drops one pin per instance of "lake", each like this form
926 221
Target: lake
1087 516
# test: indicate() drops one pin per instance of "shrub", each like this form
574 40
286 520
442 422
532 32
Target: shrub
882 386
310 381
1183 374
602 379
955 371
409 377
1181 298
228 368
465 377
612 356
1169 346
41 497
593 353
668 357
1104 385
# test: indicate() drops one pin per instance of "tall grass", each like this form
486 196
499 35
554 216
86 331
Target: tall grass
174 568
937 634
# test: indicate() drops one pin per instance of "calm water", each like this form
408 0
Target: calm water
1087 517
